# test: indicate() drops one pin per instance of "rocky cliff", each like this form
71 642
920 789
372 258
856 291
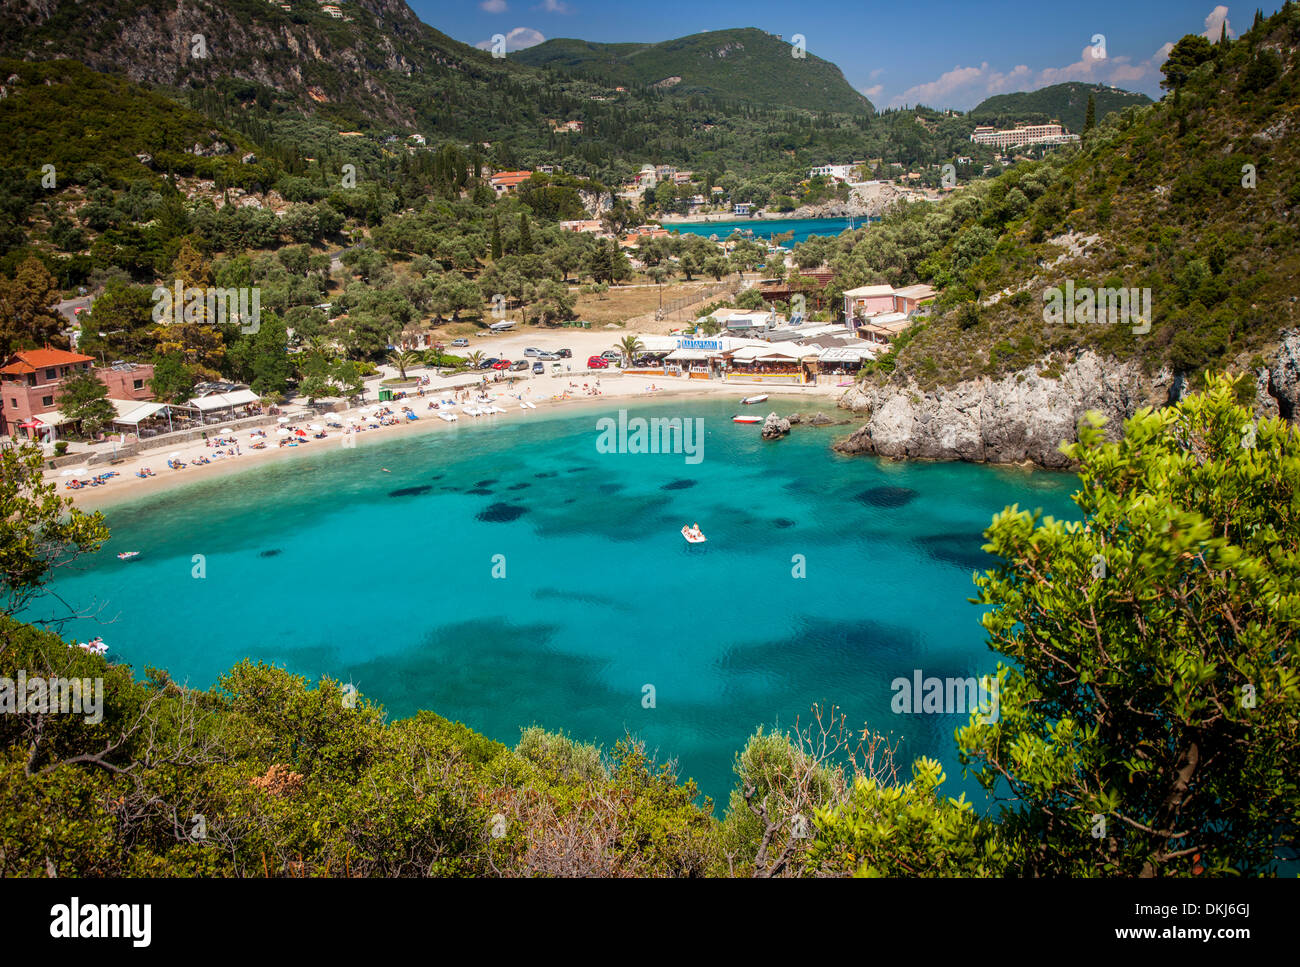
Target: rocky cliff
1025 417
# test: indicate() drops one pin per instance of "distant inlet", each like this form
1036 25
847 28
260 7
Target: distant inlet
765 228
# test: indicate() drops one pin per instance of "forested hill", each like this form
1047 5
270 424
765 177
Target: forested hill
1067 103
741 64
1195 198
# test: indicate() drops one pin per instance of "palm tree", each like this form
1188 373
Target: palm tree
475 358
402 358
629 346
709 326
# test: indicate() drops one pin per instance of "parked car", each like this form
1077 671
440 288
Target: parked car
548 356
462 341
487 363
556 367
538 369
501 364
612 355
565 353
597 362
519 366
532 351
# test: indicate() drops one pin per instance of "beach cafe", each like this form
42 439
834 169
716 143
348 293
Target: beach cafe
220 407
146 419
795 366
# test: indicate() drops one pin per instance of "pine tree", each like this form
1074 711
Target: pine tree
496 239
1090 120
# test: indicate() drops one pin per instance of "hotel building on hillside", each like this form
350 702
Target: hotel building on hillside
31 382
1022 135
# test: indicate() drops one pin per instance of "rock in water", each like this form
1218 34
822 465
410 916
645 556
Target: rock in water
775 427
821 419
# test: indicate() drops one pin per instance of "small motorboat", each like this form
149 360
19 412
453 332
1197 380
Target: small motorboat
695 536
749 400
128 555
447 417
746 419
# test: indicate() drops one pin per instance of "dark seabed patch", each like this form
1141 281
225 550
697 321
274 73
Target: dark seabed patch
501 513
485 483
519 486
610 488
577 469
410 491
437 476
682 484
572 500
962 550
480 491
271 553
783 522
545 474
888 496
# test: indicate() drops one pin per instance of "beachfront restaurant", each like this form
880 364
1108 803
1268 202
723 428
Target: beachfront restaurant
843 362
221 407
883 327
772 365
146 419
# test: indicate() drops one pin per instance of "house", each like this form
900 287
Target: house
867 300
741 208
683 177
505 182
883 327
416 139
910 298
592 225
333 11
31 382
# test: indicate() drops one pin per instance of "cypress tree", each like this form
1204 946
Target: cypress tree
1090 120
496 239
525 236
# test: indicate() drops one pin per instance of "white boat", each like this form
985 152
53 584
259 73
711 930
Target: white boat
746 419
754 399
693 536
449 417
530 404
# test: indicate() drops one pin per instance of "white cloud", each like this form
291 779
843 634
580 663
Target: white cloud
517 39
1214 24
876 73
554 6
964 87
874 91
493 6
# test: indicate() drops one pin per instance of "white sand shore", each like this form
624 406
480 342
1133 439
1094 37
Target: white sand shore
545 391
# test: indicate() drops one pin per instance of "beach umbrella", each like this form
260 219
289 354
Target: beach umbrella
281 419
68 473
282 432
173 456
300 432
316 427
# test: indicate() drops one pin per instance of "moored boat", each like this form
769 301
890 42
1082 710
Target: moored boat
746 419
748 400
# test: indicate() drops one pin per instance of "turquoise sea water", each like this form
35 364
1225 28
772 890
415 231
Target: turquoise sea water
766 227
328 566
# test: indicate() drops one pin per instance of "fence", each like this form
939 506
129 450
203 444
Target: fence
676 306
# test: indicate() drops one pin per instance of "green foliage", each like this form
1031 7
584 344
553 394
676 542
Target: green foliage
39 530
1068 103
1151 651
83 397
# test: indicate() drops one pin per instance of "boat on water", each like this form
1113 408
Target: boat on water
748 400
128 555
693 535
746 419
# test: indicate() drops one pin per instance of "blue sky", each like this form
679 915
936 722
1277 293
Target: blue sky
943 54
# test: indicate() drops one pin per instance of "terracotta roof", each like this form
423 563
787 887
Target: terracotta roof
510 177
30 360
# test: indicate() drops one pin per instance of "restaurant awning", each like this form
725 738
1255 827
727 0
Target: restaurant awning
692 355
52 418
137 413
222 401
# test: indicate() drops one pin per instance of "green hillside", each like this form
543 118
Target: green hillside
1067 103
742 64
1195 198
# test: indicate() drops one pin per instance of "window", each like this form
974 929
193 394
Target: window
51 374
138 384
47 401
14 401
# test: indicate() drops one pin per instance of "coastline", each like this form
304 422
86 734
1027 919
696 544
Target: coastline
129 487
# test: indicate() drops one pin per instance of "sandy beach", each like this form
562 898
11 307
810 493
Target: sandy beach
572 388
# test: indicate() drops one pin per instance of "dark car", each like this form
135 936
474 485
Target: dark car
565 353
597 362
487 363
539 368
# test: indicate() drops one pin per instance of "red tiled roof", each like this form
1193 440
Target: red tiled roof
510 177
30 360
